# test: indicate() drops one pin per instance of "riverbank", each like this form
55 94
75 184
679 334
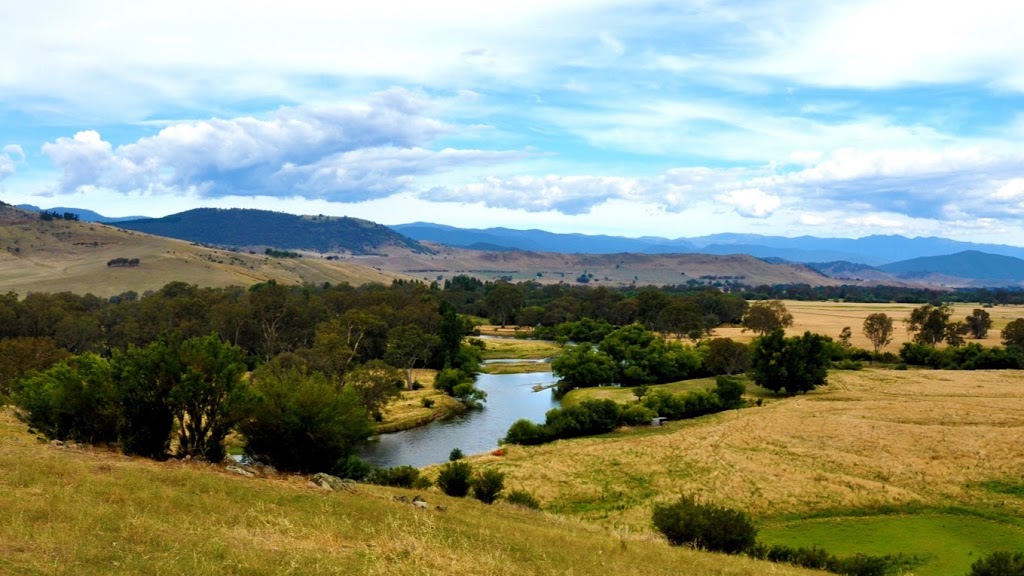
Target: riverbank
411 409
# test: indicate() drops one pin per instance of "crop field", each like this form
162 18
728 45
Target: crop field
72 510
871 441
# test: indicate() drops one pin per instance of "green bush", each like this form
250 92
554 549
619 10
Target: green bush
72 400
729 391
522 498
455 478
999 564
455 454
526 433
399 477
704 526
636 415
427 402
487 485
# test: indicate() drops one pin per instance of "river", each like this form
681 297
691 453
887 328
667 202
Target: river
509 398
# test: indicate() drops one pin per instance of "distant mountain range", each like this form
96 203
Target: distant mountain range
245 228
871 250
83 214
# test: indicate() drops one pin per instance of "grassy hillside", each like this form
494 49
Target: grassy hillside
243 227
90 511
62 255
604 269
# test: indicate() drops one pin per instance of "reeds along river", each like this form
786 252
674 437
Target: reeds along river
509 398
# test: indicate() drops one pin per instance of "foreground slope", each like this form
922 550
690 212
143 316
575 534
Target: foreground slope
90 511
59 255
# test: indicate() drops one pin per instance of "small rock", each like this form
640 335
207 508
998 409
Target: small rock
239 470
401 498
418 498
56 443
420 504
440 508
333 482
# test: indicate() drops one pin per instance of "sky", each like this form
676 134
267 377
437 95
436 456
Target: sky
674 119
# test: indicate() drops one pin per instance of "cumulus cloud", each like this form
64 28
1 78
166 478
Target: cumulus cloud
10 155
565 194
346 153
751 202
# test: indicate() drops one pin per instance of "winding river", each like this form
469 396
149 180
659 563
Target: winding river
509 398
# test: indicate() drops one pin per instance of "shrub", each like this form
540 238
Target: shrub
427 402
999 564
636 415
487 485
455 478
704 526
526 433
455 454
729 391
522 498
399 477
73 400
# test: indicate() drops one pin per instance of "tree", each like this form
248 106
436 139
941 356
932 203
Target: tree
955 332
978 323
144 379
797 364
19 356
1013 334
375 383
583 366
844 337
928 323
211 397
303 422
408 345
487 486
455 478
503 299
767 316
726 356
72 400
878 329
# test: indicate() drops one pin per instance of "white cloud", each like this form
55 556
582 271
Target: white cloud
10 155
348 153
751 202
565 194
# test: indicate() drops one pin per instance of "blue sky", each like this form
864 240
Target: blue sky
630 118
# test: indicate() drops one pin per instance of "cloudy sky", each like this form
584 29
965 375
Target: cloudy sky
630 118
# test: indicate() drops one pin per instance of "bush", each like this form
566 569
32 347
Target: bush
704 526
636 415
526 433
73 400
399 477
999 564
303 422
455 454
427 402
729 391
522 498
455 478
487 485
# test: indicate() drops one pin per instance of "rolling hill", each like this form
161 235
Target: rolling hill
988 269
82 213
54 256
238 227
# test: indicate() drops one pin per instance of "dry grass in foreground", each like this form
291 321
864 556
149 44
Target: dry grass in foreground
89 511
870 438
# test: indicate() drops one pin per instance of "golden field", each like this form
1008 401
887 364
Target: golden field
869 439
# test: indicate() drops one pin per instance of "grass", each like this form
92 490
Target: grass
625 395
945 544
516 368
870 439
408 410
91 511
519 349
37 256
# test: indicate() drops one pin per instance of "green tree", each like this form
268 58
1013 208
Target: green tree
767 316
1013 334
488 485
144 379
928 323
72 400
19 356
797 364
583 366
211 397
375 383
303 422
878 328
726 356
503 299
978 323
408 346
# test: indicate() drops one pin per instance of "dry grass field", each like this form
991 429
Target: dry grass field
829 318
408 411
870 439
84 511
37 256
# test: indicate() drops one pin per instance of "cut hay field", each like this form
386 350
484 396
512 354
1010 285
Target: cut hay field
871 441
37 256
829 318
71 511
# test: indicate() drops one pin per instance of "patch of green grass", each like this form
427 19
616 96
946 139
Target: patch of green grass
519 349
945 544
1001 487
625 394
516 368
